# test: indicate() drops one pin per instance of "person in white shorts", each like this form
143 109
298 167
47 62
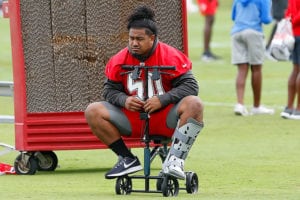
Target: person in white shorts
248 50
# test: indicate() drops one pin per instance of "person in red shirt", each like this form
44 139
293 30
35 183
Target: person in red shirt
208 9
172 102
291 112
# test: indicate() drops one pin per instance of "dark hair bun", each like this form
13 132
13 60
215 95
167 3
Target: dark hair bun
142 12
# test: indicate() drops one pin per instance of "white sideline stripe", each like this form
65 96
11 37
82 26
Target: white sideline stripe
222 104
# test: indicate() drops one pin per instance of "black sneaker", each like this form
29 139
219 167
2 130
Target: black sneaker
286 113
124 166
208 56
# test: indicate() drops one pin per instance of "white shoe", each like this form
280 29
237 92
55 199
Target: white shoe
173 166
296 117
240 109
262 110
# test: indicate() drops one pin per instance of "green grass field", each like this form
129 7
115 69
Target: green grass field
255 157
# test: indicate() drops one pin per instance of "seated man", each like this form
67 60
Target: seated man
172 104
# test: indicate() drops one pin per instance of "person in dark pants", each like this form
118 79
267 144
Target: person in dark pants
208 9
292 111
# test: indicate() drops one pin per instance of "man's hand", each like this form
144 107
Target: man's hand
152 104
134 104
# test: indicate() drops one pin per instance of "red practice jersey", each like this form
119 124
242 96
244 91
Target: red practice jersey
163 55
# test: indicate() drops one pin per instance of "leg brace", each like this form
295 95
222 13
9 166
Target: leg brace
183 139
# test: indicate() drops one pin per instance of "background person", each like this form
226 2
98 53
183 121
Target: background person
291 112
172 99
208 9
248 50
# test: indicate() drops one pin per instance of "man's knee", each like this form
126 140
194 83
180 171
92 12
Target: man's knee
193 103
93 110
